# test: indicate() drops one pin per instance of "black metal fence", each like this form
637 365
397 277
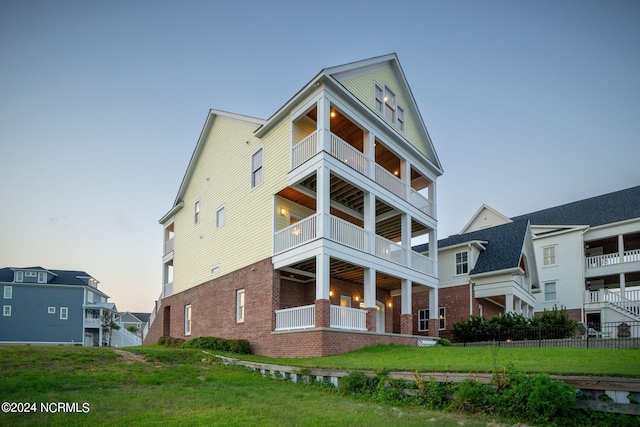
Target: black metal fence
617 335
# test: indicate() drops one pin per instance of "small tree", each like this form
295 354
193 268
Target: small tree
108 324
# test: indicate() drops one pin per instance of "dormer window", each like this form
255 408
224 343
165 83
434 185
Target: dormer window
19 276
462 263
42 277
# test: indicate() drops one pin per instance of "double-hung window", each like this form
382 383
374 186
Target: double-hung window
64 313
196 212
240 305
390 105
6 310
256 168
423 319
549 256
19 276
550 293
8 292
42 277
187 319
220 217
462 263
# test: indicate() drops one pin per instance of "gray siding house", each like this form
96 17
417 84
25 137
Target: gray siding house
41 306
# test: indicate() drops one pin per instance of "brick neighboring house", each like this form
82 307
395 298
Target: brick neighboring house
295 232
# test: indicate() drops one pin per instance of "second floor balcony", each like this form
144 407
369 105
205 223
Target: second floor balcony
348 234
614 254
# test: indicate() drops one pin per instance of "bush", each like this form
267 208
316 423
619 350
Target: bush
218 344
170 342
354 382
473 396
443 342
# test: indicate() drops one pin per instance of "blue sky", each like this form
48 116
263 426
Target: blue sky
529 105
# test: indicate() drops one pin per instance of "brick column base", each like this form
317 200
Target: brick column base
434 327
323 313
406 324
371 319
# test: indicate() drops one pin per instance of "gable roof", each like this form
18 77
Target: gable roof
503 245
142 317
60 277
488 211
605 209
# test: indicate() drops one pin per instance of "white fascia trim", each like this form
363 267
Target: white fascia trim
495 273
565 229
171 213
480 244
615 224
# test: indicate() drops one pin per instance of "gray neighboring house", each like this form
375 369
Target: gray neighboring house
137 320
41 306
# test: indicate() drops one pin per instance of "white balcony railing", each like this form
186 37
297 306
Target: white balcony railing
90 322
602 260
296 318
631 256
304 150
348 318
347 154
168 246
296 234
348 234
355 159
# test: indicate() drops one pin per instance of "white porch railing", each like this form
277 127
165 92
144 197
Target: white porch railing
167 290
168 246
349 234
124 338
91 322
304 150
296 234
355 159
348 318
602 260
392 251
347 154
389 181
296 318
629 302
631 256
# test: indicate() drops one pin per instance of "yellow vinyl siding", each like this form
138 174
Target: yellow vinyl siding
362 87
222 177
290 208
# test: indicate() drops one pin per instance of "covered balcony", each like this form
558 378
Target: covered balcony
364 153
621 251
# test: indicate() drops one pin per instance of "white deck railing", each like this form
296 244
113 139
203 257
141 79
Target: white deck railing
631 256
296 318
304 150
348 154
296 234
355 159
349 234
168 246
602 260
348 318
629 302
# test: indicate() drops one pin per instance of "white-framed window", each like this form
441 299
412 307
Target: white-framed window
378 98
30 274
6 310
462 263
400 119
196 212
256 168
345 301
19 276
423 319
389 105
549 256
89 296
64 313
187 319
42 277
550 291
51 310
240 305
220 216
8 292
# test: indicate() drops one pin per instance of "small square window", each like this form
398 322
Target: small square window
64 313
8 292
6 310
51 310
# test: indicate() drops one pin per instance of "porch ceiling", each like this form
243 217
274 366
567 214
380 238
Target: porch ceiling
345 271
612 281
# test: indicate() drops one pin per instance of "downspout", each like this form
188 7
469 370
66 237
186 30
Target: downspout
470 298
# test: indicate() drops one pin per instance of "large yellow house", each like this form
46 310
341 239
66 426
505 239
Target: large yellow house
295 232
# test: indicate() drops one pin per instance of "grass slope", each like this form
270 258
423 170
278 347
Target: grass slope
169 387
554 361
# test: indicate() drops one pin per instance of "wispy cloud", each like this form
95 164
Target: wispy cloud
58 221
122 222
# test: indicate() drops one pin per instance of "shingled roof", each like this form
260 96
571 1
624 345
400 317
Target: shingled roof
605 209
61 277
503 245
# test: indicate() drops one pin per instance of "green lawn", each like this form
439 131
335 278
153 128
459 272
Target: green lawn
558 361
175 387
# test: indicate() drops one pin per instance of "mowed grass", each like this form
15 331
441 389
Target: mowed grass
554 361
160 386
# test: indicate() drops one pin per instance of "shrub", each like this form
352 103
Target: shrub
473 396
170 341
218 344
354 382
443 342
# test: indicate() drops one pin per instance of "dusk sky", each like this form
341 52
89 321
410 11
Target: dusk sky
530 104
